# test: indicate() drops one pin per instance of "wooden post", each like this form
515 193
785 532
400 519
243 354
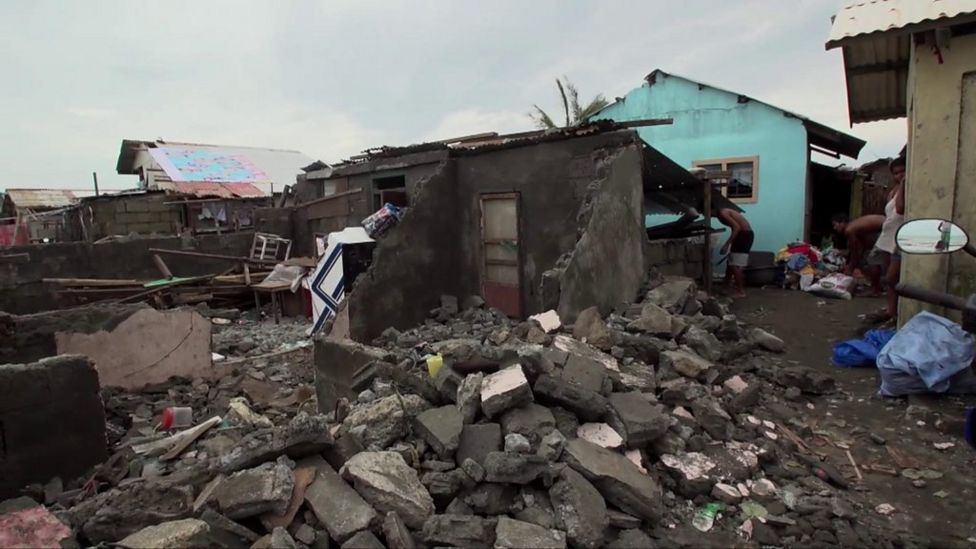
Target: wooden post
707 259
247 274
161 265
95 180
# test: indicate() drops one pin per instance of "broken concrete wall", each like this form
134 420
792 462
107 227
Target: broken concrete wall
336 363
675 256
51 422
606 267
551 179
22 290
141 213
131 346
413 265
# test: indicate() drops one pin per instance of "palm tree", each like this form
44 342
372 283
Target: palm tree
574 113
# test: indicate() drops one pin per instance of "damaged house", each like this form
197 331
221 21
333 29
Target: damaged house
529 222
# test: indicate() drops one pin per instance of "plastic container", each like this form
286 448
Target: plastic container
177 417
705 517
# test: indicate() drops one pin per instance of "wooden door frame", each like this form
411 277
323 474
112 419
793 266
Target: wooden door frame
483 264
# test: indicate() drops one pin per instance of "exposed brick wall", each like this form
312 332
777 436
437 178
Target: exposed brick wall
52 422
142 214
675 256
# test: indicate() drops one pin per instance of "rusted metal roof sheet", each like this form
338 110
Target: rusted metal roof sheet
215 190
876 37
42 199
860 18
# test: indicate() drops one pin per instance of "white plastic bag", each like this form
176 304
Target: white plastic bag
836 285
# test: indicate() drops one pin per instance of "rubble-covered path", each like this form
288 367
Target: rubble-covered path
910 451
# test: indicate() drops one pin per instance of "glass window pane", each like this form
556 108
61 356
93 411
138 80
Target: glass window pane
501 219
742 177
504 274
501 252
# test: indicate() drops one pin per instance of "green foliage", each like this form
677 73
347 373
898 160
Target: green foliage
575 113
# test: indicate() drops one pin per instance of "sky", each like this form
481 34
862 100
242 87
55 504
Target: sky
333 78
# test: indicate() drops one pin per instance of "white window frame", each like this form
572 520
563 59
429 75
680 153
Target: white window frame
724 163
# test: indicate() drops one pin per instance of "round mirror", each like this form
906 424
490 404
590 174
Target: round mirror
931 236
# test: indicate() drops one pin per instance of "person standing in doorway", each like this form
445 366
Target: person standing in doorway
737 247
886 246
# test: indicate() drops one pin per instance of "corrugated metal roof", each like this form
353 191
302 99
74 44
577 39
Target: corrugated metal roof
216 190
864 17
876 37
42 198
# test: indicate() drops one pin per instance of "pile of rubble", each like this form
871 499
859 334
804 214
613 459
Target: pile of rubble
648 428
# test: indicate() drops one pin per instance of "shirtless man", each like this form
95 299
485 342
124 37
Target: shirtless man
861 235
737 247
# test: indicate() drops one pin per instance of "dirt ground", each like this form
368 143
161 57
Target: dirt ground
931 490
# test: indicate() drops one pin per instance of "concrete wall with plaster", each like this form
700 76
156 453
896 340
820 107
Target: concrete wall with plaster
52 423
606 267
413 265
941 180
22 290
675 256
131 346
551 179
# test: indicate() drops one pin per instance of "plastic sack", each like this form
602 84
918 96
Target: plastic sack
861 352
381 221
836 285
930 354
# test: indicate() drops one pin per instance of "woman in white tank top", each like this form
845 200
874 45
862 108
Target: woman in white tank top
894 217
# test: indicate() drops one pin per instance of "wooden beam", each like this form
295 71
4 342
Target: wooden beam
214 256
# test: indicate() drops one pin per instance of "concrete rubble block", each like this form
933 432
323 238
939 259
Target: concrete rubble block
591 328
551 446
175 534
386 419
444 485
712 418
59 393
735 384
588 405
478 440
473 302
728 329
726 493
113 515
532 420
225 532
516 443
449 305
281 539
335 504
704 343
710 306
363 540
566 422
512 533
503 467
672 294
264 489
468 397
619 480
473 469
396 533
337 361
584 371
686 364
681 391
441 428
622 521
734 460
580 510
692 471
534 506
767 340
304 435
653 320
600 434
636 419
386 481
643 348
447 382
572 346
632 539
549 321
504 390
491 499
459 531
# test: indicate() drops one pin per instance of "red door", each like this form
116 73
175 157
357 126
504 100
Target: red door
501 272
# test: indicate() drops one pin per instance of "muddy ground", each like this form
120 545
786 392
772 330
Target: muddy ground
900 472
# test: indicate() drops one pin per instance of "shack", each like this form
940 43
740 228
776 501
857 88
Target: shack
34 215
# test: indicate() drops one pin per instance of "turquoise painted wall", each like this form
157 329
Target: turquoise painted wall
712 124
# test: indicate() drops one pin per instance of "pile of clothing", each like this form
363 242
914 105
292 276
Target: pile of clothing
803 264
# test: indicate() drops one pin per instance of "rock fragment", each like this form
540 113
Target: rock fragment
478 440
503 467
263 489
619 480
686 364
580 509
591 328
504 390
588 405
386 481
459 531
469 397
636 419
512 533
441 428
335 504
175 534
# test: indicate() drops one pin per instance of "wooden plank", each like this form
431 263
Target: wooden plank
203 255
161 266
92 282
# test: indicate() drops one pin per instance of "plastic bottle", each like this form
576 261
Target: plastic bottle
705 517
177 417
